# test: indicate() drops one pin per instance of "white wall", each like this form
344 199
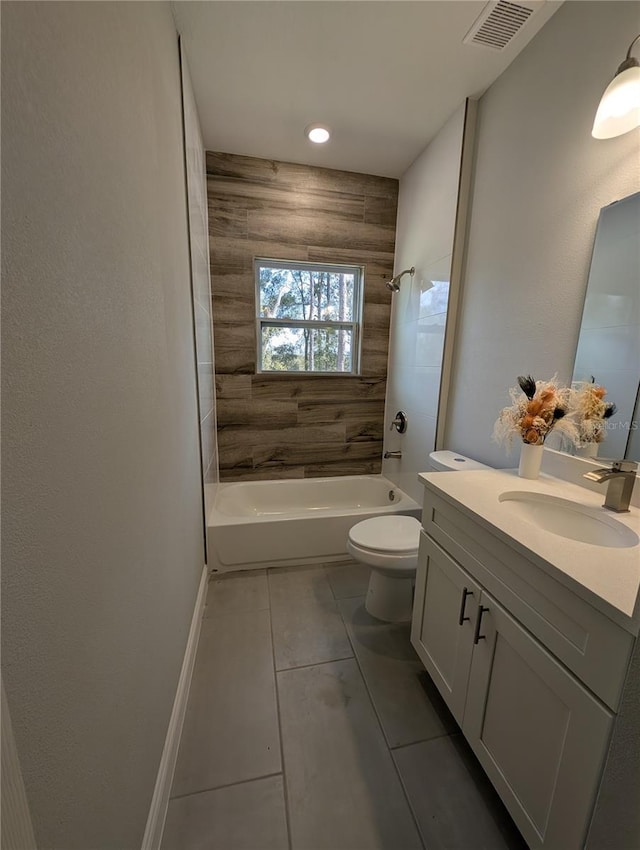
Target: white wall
102 523
540 182
424 239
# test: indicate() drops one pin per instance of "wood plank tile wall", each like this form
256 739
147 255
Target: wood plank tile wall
292 426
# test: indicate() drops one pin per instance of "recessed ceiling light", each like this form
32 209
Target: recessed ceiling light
317 133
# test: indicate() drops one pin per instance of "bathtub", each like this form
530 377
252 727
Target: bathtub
289 522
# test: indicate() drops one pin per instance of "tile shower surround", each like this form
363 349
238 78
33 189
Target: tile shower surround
292 426
313 726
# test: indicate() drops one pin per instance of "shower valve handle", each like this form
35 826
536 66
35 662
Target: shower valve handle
400 422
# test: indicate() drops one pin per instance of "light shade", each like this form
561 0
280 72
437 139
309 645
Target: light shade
317 133
619 109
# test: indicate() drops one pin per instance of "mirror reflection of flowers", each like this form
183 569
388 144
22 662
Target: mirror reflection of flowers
532 416
591 411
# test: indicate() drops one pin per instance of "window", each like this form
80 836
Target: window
308 317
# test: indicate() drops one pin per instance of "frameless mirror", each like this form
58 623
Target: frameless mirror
609 342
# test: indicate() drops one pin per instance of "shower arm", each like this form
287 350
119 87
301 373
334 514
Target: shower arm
410 271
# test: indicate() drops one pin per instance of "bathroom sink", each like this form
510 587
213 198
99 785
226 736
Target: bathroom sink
568 519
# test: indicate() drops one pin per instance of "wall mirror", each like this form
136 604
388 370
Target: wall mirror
609 341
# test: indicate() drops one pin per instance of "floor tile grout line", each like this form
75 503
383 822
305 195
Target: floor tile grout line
315 664
422 741
423 838
210 613
328 580
226 785
285 789
384 736
337 599
326 568
364 678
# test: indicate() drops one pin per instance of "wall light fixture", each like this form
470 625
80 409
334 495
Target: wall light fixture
619 110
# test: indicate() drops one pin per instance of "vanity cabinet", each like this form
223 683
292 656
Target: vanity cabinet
540 733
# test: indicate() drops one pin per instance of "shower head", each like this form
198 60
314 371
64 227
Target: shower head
394 283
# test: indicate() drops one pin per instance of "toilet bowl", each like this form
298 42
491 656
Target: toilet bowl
389 545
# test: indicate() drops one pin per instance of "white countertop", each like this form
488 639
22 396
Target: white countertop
607 578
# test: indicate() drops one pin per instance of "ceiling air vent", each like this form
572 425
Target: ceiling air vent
499 23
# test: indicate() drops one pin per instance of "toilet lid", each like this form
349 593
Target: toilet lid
397 534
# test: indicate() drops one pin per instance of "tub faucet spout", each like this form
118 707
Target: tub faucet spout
621 477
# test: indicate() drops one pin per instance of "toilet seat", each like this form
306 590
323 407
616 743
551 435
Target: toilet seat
392 535
389 544
395 566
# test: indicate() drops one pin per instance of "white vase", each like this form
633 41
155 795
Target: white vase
587 450
530 460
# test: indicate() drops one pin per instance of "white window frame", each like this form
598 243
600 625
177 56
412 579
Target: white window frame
355 326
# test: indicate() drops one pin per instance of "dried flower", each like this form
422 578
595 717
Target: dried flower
543 409
590 411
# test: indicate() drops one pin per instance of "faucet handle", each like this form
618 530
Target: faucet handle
624 465
400 422
617 465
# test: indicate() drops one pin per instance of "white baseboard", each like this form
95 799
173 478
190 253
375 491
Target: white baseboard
160 800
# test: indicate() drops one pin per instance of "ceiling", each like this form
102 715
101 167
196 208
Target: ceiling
385 76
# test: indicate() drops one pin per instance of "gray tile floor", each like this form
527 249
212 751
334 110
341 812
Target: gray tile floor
313 726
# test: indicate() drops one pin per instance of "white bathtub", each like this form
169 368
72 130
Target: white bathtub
258 524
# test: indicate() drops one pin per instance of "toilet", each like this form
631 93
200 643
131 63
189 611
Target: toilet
389 545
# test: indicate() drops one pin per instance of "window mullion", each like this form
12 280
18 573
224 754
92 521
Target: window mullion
305 323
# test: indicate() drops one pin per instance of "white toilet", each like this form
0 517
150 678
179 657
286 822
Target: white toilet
389 545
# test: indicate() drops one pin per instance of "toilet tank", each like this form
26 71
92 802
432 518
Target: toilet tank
446 461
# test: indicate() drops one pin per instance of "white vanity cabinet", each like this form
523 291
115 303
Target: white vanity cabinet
482 624
539 734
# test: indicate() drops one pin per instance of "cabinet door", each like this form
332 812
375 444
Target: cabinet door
446 601
539 734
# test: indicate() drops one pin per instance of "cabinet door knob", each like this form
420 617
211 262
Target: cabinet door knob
463 603
477 636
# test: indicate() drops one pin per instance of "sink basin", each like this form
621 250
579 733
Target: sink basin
569 519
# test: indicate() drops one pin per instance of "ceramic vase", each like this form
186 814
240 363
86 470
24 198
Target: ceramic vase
587 450
530 460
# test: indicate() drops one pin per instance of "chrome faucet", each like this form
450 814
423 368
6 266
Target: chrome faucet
621 478
397 455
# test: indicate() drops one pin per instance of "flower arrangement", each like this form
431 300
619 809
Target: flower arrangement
543 408
591 411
